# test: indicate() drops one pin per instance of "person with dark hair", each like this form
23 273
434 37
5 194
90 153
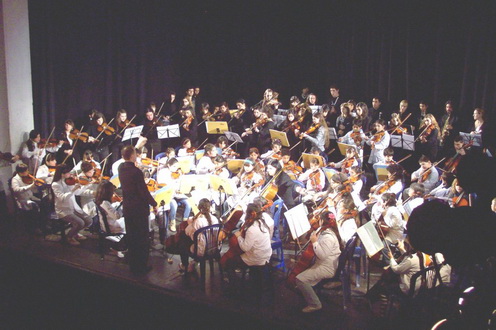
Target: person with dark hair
254 155
415 197
254 240
241 118
377 111
429 137
65 204
136 203
419 118
362 114
320 136
426 174
393 184
149 137
189 126
47 170
261 133
449 129
335 99
33 154
68 152
344 122
443 189
314 180
103 197
186 148
23 192
100 146
327 245
378 142
206 164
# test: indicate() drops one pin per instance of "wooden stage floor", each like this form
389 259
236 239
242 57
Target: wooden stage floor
46 284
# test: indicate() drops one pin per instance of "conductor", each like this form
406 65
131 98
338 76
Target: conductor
136 208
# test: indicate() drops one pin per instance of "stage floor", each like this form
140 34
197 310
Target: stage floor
46 284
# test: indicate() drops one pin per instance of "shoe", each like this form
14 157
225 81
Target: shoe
311 309
172 226
80 237
169 261
73 242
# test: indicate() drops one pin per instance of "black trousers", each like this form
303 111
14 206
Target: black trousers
137 232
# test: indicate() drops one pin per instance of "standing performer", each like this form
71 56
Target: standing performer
136 201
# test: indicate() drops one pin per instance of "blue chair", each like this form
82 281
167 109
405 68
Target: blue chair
343 271
210 236
276 242
160 155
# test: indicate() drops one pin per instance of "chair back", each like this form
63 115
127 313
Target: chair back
346 255
209 236
430 278
102 217
159 155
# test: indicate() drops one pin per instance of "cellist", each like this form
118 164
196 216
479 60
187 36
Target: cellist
326 245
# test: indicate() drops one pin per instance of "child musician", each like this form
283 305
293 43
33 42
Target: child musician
254 239
444 188
290 166
33 154
86 178
47 170
314 179
113 211
426 174
457 196
170 176
415 198
186 149
87 157
345 213
254 155
327 246
356 136
65 204
392 185
378 142
249 181
169 154
206 164
275 152
321 139
351 159
389 218
23 192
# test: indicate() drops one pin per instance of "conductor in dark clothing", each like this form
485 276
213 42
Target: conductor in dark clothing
136 207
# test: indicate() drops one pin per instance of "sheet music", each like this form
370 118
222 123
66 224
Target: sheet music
370 238
297 220
132 133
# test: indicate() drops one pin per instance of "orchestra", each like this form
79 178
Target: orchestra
261 179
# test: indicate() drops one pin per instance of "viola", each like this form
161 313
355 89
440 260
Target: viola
459 201
106 129
312 129
116 198
29 179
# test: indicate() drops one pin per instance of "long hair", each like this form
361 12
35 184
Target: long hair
254 213
323 125
104 192
61 169
329 221
204 208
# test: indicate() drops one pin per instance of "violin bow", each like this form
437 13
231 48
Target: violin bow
103 130
36 165
401 123
73 146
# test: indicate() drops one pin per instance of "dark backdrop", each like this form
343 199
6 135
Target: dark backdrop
122 54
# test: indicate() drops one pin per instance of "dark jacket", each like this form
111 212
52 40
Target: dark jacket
136 197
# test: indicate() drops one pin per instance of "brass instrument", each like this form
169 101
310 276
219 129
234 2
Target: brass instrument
445 131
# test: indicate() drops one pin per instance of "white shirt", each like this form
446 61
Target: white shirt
199 223
115 218
377 153
205 165
22 192
65 201
256 245
45 174
431 181
115 166
305 178
406 269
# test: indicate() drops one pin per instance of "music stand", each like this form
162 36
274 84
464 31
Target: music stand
297 220
197 182
235 165
380 172
332 133
315 108
199 154
476 139
403 141
370 238
132 133
168 132
164 194
231 136
329 172
115 181
186 163
216 127
279 135
308 157
343 147
223 185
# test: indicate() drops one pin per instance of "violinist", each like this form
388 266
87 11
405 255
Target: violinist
120 122
184 245
67 147
326 245
219 197
169 154
320 138
345 121
355 136
247 135
87 157
220 167
415 197
249 181
24 190
355 179
346 216
457 195
403 112
189 126
65 204
186 149
224 114
275 152
170 107
241 117
395 125
254 156
314 180
284 188
423 106
290 167
254 240
206 164
86 178
429 137
149 132
224 149
378 142
261 132
426 174
351 159
33 153
100 136
443 189
362 114
461 151
171 177
304 115
393 184
291 125
47 170
113 210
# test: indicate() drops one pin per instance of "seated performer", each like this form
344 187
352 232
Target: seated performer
86 178
254 155
351 159
87 157
345 214
415 198
254 240
356 136
327 246
443 189
65 203
290 167
33 152
249 183
47 170
426 174
206 164
275 152
184 245
24 187
321 139
113 210
392 185
314 179
186 149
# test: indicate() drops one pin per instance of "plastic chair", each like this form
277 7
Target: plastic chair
343 271
105 234
210 236
276 242
160 155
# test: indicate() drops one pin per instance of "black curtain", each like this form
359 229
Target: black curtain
118 54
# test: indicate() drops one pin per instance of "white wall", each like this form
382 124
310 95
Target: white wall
16 95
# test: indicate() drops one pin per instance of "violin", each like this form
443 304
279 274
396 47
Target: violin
77 135
187 122
48 144
292 167
126 123
356 137
71 181
427 131
425 175
347 163
260 122
229 152
116 198
459 201
177 174
378 136
105 128
276 155
385 186
400 130
29 179
315 180
312 129
294 125
149 162
153 186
